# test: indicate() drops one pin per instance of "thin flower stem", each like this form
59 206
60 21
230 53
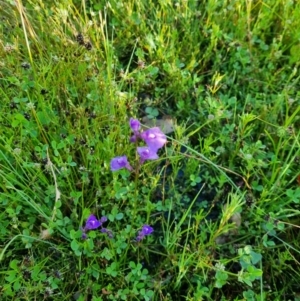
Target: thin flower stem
57 192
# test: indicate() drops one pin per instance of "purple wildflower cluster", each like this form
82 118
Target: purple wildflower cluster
154 139
92 223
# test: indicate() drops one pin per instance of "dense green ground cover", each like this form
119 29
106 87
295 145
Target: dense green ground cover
223 197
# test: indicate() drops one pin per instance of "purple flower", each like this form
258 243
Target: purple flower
92 223
147 153
134 138
135 125
119 162
103 219
146 230
154 138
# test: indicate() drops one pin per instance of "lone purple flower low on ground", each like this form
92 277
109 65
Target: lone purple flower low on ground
146 153
92 223
154 138
146 230
120 162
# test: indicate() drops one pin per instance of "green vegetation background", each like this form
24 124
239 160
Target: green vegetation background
226 73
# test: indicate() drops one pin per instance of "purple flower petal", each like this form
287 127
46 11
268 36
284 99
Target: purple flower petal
154 138
119 162
92 223
140 237
147 230
146 153
134 138
103 219
135 125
